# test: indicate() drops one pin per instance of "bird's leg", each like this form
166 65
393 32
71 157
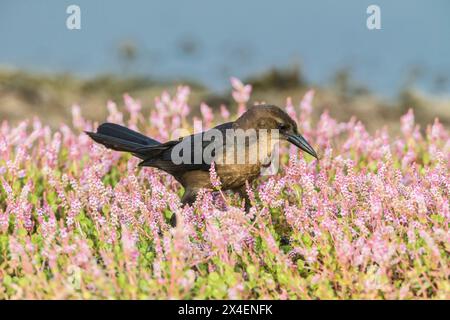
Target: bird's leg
188 198
242 190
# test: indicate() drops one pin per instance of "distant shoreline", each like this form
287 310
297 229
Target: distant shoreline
24 94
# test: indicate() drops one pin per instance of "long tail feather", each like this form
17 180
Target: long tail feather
118 131
120 138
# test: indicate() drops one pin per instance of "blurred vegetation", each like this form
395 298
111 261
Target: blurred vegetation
50 96
346 86
281 79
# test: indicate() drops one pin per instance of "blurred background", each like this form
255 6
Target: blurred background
282 48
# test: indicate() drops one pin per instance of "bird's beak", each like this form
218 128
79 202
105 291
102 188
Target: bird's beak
300 142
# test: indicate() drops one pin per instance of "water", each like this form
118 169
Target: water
212 40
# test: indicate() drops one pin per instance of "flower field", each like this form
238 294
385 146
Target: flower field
369 220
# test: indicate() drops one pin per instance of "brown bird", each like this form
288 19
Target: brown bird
189 159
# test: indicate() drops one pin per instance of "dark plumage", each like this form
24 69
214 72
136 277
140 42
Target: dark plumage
194 176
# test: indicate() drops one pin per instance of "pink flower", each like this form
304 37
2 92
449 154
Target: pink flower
241 94
114 115
224 112
407 123
290 108
215 181
207 114
78 121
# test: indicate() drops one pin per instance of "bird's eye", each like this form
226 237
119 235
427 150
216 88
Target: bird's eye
282 126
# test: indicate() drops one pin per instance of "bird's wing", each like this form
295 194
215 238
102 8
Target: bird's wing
224 126
120 138
161 156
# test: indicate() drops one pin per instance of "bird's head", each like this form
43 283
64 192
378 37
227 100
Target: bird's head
270 117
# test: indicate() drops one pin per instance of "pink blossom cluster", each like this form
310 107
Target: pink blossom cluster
368 220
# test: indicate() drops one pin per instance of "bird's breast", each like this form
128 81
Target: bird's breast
235 175
237 164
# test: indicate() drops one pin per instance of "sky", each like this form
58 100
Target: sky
210 41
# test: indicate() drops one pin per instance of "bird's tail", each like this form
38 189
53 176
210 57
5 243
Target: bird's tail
120 138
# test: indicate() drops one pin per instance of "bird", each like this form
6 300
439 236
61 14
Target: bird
268 123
